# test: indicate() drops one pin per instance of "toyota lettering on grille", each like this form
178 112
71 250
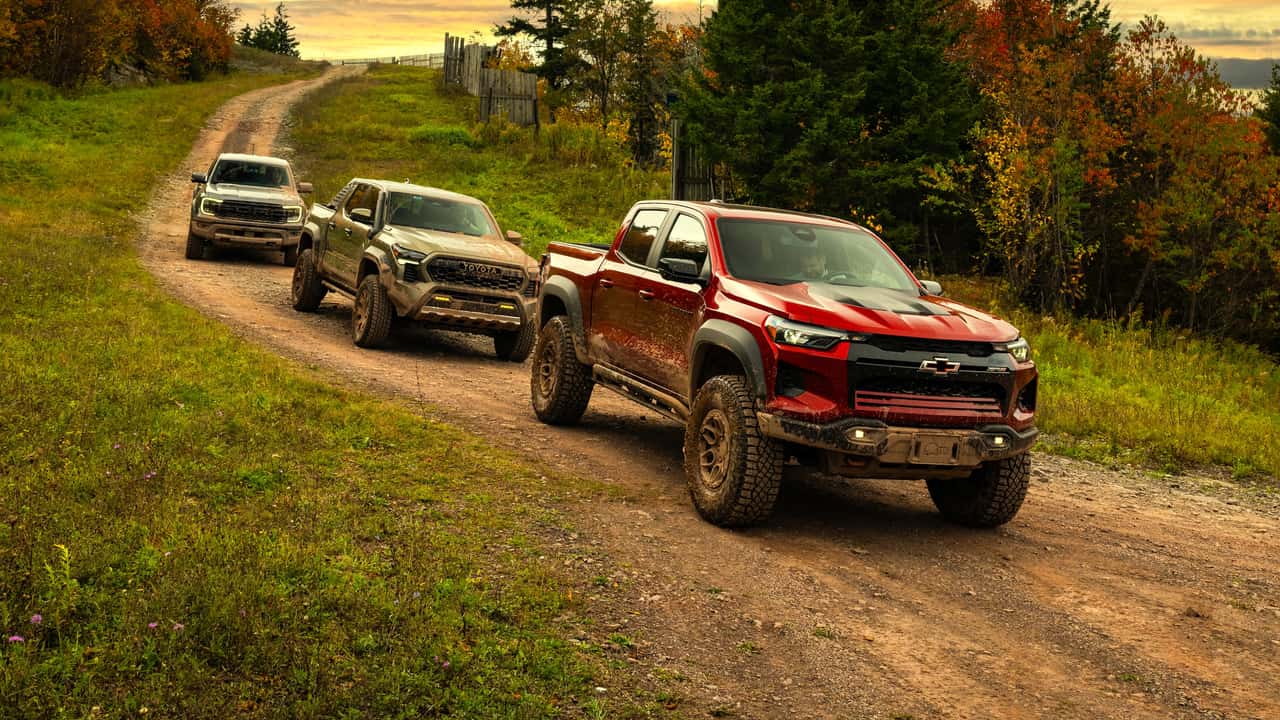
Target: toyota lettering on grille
940 366
478 269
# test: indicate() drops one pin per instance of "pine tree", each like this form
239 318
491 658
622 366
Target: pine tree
550 24
1269 110
245 36
834 107
282 34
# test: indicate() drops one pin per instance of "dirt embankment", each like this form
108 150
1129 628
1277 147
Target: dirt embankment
1111 595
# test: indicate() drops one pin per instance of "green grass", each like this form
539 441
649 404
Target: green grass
569 182
1148 395
205 531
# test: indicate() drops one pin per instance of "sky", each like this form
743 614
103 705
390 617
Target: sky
337 29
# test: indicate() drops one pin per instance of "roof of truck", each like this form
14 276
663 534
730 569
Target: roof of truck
404 187
716 209
264 159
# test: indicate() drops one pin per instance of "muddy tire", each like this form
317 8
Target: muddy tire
371 314
988 498
307 291
733 471
291 256
195 247
559 385
515 346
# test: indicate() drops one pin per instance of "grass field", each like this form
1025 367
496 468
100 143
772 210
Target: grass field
1111 393
190 528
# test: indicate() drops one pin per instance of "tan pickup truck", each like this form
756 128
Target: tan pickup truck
247 201
419 255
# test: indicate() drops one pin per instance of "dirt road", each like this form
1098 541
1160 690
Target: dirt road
1111 595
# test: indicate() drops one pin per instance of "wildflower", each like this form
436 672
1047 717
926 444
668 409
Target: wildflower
445 665
17 639
116 446
37 619
153 625
416 595
177 627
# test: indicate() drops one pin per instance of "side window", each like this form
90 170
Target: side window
356 199
342 195
639 239
687 241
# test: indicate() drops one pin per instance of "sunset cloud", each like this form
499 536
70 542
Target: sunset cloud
380 28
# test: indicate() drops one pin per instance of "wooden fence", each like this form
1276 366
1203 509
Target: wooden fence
692 176
434 60
508 93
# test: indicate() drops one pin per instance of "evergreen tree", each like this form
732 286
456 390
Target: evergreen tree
835 107
245 36
273 34
1269 110
550 24
640 91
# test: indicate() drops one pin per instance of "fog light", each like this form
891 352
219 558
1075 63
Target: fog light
859 434
998 441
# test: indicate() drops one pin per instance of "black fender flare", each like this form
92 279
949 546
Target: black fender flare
564 290
737 340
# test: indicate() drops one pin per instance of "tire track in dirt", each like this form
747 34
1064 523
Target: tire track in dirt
1111 595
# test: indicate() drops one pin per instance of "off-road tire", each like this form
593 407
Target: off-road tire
306 291
989 497
515 346
371 314
733 471
291 256
559 386
195 247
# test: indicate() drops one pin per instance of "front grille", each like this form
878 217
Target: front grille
899 344
530 290
412 272
474 303
452 271
241 210
929 397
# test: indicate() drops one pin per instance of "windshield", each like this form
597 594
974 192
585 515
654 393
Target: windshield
255 174
432 213
782 253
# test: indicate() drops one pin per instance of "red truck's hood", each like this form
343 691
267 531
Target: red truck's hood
870 310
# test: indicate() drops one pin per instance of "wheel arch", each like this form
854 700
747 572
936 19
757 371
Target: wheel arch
560 296
719 348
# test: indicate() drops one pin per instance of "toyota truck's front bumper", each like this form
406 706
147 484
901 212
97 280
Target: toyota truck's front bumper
857 445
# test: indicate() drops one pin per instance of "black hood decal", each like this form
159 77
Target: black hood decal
903 302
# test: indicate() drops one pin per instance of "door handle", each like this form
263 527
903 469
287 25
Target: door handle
647 295
332 225
348 232
606 283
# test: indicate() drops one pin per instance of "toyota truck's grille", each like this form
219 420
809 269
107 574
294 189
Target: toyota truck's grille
240 210
452 271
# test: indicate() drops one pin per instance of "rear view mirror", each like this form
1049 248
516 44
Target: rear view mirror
679 270
515 238
362 215
304 188
199 178
931 287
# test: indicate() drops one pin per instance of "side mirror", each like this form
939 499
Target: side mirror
362 215
515 238
931 287
305 188
680 270
199 178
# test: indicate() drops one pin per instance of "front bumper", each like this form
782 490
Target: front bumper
231 233
462 308
872 440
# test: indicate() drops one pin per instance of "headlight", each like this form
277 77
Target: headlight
209 205
292 214
1020 349
786 332
406 255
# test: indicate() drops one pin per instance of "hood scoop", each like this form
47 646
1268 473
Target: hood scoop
881 299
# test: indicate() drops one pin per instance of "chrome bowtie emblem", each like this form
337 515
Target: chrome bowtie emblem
940 366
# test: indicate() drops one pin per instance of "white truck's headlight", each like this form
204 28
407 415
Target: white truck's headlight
209 206
293 213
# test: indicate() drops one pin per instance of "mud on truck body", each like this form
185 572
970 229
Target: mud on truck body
420 255
774 335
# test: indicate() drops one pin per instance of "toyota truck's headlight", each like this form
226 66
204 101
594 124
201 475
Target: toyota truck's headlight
1020 349
209 206
786 332
407 255
293 213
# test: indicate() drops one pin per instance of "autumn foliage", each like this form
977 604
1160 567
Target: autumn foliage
69 42
1117 174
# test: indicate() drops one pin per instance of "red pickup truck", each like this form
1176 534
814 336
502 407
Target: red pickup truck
775 335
